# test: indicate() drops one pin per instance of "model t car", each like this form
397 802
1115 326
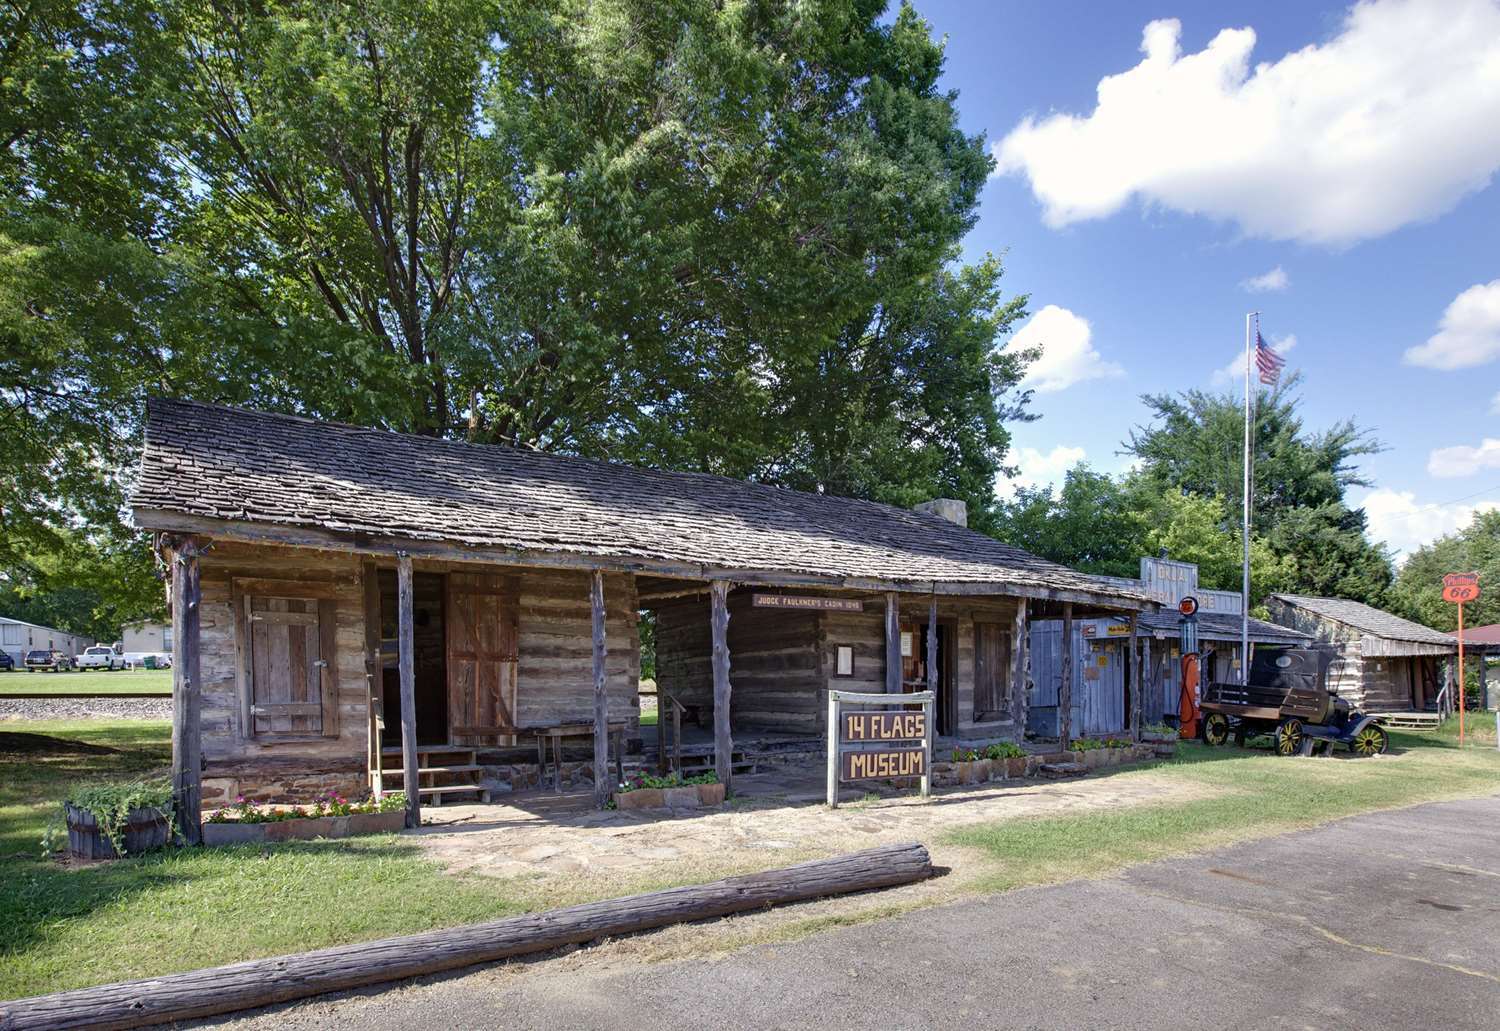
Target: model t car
1288 698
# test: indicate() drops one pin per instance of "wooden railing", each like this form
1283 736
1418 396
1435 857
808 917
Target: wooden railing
667 705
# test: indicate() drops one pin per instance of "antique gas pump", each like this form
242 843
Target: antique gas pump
1188 703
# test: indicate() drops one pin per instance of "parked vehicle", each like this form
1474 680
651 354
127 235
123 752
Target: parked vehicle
6 662
100 657
49 659
1288 698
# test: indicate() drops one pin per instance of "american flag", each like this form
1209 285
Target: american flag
1267 361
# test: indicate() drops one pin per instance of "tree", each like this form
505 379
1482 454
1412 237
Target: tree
1194 444
1418 591
1089 524
717 237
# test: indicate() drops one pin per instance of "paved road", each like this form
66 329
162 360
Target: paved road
1384 921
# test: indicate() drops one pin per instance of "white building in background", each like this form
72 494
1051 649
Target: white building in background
17 637
137 640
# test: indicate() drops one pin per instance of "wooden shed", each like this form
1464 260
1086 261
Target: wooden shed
1385 664
358 609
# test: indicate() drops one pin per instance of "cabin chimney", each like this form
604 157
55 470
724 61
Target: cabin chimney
951 509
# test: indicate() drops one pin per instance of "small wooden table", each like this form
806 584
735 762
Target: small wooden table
557 732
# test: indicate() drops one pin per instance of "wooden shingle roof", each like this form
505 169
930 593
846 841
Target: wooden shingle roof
1366 618
1224 626
313 481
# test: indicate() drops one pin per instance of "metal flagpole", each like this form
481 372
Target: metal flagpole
1245 579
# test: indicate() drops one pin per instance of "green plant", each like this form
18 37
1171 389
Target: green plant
641 781
111 803
327 804
1086 744
1005 750
1160 729
966 755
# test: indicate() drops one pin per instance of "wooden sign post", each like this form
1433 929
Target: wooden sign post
906 738
1457 589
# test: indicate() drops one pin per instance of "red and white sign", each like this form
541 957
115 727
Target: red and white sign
1459 588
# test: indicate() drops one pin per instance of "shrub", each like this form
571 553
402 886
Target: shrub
640 781
1005 750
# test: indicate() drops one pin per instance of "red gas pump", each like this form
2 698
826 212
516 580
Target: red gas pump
1187 711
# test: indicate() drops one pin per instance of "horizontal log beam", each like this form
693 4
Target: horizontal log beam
263 982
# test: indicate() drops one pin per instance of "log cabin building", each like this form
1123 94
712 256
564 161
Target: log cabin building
352 605
1385 664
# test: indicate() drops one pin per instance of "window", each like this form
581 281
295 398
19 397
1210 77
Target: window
11 634
166 639
286 670
991 671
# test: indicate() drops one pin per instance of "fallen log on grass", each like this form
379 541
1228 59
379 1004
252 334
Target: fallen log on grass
262 982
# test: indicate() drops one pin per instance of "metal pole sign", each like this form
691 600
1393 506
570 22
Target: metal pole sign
865 745
1457 589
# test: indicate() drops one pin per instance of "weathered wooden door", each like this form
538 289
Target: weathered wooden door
483 656
288 665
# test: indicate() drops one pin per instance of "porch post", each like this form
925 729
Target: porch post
892 644
1136 694
1020 654
932 654
187 740
719 624
601 695
1065 689
405 644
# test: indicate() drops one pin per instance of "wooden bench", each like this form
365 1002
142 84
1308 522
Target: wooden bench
557 732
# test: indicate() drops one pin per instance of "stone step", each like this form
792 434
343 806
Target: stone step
1057 771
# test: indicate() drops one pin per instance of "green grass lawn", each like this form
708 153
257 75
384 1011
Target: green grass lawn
1246 794
156 681
66 927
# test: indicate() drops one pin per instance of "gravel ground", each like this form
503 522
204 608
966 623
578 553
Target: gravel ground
97 707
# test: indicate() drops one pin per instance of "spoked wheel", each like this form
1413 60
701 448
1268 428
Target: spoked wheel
1288 737
1216 728
1372 740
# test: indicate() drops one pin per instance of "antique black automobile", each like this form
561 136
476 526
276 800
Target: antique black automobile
1288 698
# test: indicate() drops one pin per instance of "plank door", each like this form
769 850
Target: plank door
288 665
483 655
991 671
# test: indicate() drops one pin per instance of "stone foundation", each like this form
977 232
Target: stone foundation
285 788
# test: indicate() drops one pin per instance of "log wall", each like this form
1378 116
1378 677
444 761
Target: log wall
554 684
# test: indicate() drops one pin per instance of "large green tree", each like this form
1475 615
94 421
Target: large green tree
718 237
1418 591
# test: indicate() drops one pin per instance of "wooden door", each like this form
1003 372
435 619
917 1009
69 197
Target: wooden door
287 664
991 671
483 642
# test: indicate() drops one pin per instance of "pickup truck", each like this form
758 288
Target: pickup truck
100 657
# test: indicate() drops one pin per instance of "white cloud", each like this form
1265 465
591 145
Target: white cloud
1037 469
1068 355
1234 372
1375 128
1463 459
1267 282
1469 333
1398 520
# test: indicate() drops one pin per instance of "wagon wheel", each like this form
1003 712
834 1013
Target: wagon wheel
1288 737
1372 740
1216 728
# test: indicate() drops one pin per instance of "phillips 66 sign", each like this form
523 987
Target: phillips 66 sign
1459 588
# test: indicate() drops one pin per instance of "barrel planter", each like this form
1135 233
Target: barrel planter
689 796
1165 745
145 829
303 829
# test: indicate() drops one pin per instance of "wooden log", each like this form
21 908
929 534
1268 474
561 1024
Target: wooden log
932 654
1020 639
374 678
187 690
892 643
1136 694
1065 688
601 695
406 646
263 982
719 624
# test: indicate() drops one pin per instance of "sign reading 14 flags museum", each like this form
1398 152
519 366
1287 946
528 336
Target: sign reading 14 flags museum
878 745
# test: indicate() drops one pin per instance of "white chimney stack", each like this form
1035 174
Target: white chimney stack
951 509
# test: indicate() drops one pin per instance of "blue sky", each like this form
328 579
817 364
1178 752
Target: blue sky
1352 149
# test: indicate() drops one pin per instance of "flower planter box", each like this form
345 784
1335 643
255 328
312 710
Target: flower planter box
689 796
1015 767
976 771
304 829
145 829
